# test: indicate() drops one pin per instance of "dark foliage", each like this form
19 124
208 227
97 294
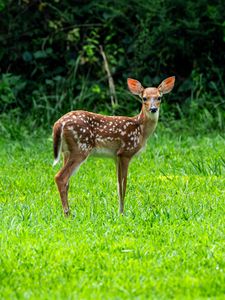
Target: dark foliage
51 63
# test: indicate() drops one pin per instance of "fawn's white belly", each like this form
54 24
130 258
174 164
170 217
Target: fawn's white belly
106 147
103 152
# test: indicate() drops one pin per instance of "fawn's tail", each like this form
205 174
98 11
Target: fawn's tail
57 141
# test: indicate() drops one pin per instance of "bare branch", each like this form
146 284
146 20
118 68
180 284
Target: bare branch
112 90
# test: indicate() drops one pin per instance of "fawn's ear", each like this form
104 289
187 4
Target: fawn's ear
135 86
166 85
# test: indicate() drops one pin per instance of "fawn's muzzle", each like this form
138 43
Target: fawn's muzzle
153 109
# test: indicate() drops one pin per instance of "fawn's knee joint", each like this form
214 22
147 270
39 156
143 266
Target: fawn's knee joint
58 179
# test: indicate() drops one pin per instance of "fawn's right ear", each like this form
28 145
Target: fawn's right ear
135 86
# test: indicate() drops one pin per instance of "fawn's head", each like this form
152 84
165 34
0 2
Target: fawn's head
151 96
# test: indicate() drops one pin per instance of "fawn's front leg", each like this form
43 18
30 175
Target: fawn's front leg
122 170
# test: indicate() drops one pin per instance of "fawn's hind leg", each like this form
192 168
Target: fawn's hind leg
72 163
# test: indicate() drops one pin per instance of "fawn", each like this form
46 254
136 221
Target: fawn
79 134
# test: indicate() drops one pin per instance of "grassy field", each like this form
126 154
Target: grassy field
169 245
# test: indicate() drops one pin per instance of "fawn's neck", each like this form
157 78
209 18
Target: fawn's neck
149 121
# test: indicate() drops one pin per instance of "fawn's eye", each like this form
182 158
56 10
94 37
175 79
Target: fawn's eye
159 98
144 98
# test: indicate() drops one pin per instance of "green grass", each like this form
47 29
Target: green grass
169 245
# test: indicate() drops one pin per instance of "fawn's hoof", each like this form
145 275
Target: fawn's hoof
66 212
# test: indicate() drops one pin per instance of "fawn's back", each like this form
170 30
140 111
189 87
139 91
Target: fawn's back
101 135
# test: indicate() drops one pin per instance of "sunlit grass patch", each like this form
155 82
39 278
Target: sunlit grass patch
169 244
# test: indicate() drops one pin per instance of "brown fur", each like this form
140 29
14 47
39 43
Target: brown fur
82 133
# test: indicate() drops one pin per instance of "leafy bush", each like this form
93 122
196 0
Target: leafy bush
51 62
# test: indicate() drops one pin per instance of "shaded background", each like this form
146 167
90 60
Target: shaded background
51 62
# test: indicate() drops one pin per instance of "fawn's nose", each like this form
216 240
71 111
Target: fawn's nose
153 109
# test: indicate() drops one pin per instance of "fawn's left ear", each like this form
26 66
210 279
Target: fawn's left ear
135 86
166 85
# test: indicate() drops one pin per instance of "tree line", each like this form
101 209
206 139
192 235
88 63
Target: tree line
52 56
